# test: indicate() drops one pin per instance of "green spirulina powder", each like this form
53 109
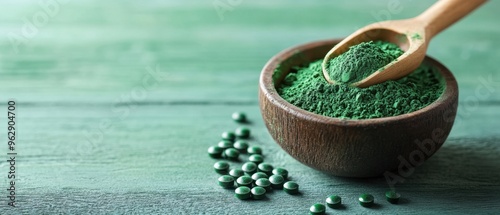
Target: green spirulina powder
307 89
362 60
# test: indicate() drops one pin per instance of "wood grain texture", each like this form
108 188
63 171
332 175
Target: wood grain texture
82 67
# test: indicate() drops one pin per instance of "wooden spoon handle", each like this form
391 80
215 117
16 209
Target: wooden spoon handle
446 12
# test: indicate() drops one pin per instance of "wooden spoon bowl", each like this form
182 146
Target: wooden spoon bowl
411 35
352 148
410 39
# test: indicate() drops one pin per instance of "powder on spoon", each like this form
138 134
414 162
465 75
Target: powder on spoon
361 60
308 90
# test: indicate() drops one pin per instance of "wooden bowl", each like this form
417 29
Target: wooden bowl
353 148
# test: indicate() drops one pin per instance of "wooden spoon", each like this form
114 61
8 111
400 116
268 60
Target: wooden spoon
411 35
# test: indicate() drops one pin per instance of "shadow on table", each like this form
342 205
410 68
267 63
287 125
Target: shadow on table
463 171
463 162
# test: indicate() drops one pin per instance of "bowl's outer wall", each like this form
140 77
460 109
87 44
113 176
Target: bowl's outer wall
353 148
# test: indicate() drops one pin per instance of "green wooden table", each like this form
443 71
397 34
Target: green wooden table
117 103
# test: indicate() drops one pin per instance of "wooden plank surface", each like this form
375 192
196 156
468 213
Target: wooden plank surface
84 69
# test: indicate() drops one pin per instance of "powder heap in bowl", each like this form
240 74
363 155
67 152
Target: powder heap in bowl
362 60
307 89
